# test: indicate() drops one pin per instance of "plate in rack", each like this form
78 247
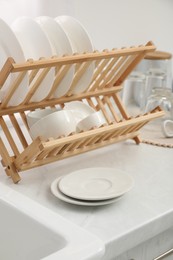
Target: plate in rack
35 45
10 47
80 42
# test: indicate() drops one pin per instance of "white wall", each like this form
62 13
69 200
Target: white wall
111 23
116 23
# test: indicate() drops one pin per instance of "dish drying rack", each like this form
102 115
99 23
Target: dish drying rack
19 152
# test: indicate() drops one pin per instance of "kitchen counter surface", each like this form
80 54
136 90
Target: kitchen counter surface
145 211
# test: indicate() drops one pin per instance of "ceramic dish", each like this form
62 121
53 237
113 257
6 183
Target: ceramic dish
94 120
80 42
33 116
95 184
35 45
59 123
60 46
10 47
80 109
57 193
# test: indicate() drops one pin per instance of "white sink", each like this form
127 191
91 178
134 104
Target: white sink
31 231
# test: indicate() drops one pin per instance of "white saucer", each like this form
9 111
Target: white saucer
57 193
10 47
95 184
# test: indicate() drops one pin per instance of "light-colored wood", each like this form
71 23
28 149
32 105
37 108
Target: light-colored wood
13 88
112 67
59 77
18 131
60 101
6 70
36 85
8 163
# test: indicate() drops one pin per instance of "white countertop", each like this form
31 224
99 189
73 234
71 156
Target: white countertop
142 213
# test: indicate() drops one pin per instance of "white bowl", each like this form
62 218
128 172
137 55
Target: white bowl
60 123
94 120
60 46
35 45
33 116
80 42
80 109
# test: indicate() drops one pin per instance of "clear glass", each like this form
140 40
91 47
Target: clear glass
133 95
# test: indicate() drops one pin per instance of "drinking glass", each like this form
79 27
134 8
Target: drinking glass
133 95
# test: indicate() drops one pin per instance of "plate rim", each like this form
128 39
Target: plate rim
7 39
86 171
57 193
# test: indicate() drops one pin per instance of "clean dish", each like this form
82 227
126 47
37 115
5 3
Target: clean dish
33 116
35 45
94 120
57 193
60 46
80 42
80 109
10 47
167 128
95 184
60 123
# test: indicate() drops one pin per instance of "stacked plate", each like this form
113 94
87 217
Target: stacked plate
92 186
44 37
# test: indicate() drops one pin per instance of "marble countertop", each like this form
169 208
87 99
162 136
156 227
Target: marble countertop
142 213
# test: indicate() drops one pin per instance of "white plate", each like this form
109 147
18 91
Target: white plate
35 45
80 42
80 109
60 46
10 47
57 193
95 184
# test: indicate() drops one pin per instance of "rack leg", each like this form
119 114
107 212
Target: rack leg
12 172
137 139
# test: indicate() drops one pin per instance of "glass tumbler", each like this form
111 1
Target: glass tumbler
133 95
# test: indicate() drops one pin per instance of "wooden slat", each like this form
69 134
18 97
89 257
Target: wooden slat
23 117
29 153
106 99
6 70
8 162
59 77
36 85
149 47
76 152
126 63
18 131
101 130
53 102
101 73
78 75
120 106
102 108
9 136
13 88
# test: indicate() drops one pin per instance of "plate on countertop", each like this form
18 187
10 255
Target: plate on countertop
95 184
57 193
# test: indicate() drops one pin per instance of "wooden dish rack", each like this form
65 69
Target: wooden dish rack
19 152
